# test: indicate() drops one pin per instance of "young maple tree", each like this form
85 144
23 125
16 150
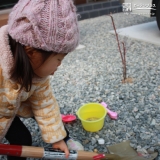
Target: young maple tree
121 51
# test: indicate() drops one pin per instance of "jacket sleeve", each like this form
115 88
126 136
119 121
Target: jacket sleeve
47 113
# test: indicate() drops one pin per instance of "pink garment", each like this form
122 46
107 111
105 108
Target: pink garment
49 25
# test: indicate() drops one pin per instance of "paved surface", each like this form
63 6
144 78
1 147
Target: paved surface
147 32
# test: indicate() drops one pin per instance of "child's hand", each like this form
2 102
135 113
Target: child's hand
62 146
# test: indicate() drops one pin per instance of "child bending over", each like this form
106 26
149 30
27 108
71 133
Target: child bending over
39 34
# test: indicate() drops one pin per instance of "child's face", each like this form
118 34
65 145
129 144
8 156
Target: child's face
48 67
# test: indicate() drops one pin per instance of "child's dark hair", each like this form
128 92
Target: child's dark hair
22 71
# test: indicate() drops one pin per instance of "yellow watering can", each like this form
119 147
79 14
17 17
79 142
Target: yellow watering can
92 116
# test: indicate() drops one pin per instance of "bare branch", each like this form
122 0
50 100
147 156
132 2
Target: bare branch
119 47
122 52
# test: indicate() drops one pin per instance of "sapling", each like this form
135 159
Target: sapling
122 52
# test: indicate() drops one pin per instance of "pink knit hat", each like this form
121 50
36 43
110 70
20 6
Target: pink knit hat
50 25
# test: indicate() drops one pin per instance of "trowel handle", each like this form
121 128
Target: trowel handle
46 153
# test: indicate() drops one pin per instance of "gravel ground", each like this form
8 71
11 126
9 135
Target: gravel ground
94 74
